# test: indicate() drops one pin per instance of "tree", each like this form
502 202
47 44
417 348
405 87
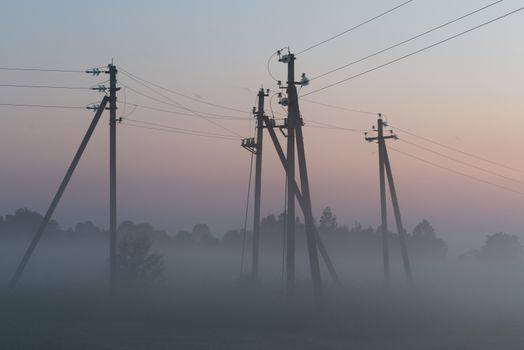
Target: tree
88 230
232 238
135 261
501 247
328 221
184 237
200 232
426 243
424 230
25 222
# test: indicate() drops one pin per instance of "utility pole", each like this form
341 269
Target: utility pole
112 175
255 146
290 210
54 203
383 209
293 124
294 135
258 182
398 219
385 167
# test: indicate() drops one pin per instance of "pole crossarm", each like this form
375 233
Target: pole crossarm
249 144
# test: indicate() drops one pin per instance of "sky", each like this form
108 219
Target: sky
465 94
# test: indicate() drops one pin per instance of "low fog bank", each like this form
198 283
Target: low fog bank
189 290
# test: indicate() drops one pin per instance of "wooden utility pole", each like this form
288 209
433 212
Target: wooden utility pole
112 175
258 182
295 144
294 135
385 168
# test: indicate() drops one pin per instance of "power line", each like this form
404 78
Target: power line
331 126
457 150
176 132
457 172
40 106
142 80
334 127
176 104
179 129
338 107
414 52
208 115
405 41
353 28
179 105
44 87
42 70
462 162
268 65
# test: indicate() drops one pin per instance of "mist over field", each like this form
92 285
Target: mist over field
185 291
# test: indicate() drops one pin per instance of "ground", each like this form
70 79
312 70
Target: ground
255 317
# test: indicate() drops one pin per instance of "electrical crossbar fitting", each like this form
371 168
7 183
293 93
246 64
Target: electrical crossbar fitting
385 170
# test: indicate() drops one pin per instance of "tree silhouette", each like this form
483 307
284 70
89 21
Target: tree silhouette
135 261
328 221
426 243
501 247
184 237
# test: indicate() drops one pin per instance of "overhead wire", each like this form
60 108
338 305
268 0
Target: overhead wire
176 132
462 162
137 78
40 106
338 107
354 27
414 52
330 126
322 125
404 41
177 104
44 87
207 114
457 172
42 70
335 127
268 65
457 150
179 129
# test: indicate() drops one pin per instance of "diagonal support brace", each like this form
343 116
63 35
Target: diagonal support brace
58 195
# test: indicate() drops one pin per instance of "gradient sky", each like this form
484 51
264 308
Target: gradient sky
466 93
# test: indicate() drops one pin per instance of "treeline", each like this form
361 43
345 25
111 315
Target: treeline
354 241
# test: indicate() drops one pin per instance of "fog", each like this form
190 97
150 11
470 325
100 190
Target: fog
186 291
